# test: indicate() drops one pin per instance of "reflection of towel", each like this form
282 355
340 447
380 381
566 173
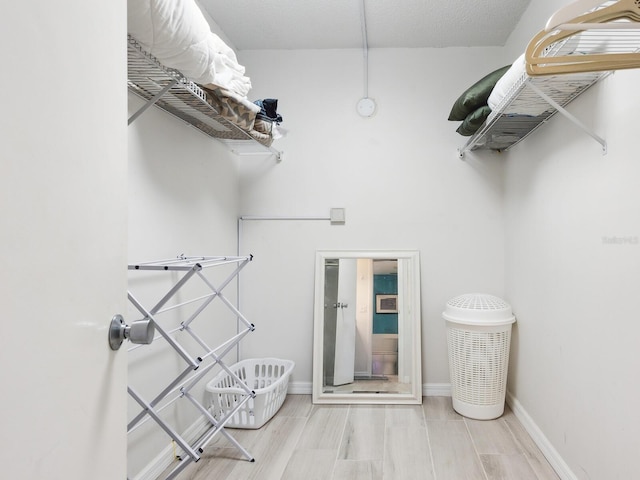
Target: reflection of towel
503 86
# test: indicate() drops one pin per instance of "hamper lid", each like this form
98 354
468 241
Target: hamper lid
478 309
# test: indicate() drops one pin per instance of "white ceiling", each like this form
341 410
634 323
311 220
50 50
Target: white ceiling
320 24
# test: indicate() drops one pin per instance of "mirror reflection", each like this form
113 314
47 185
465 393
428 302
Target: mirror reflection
367 332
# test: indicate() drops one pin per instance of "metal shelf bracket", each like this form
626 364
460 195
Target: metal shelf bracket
569 116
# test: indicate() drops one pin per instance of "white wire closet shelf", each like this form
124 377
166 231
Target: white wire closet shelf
196 355
579 46
172 92
505 127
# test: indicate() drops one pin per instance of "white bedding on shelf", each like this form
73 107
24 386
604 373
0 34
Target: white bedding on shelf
178 35
515 74
505 83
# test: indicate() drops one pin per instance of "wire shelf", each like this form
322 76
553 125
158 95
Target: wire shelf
172 92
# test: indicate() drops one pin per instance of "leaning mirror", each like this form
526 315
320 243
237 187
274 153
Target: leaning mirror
367 323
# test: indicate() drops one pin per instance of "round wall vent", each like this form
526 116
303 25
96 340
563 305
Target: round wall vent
366 107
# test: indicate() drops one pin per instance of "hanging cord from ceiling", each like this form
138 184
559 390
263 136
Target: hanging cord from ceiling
365 47
366 106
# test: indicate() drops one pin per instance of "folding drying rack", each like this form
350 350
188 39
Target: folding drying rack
196 367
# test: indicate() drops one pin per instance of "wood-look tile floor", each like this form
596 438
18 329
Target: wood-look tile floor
375 442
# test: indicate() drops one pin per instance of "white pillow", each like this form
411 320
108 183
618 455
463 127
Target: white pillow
506 82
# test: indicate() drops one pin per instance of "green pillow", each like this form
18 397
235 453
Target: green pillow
474 121
476 95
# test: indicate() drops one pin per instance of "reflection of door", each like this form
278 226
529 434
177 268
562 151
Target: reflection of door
345 323
330 317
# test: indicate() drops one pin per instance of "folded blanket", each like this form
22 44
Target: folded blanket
233 108
178 35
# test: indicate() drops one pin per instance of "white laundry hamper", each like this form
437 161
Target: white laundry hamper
478 341
267 377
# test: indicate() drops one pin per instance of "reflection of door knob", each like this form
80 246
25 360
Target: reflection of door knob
140 332
340 305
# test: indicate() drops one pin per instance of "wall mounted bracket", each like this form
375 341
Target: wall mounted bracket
569 116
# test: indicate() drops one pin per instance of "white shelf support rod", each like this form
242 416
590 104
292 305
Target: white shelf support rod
152 101
568 115
273 151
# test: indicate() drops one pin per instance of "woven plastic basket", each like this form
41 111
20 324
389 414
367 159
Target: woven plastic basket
478 340
267 377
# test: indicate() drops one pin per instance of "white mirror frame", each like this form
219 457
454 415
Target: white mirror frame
409 327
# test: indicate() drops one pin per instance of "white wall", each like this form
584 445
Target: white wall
397 175
572 275
183 199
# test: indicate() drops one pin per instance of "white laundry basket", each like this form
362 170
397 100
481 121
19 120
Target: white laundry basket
478 341
267 377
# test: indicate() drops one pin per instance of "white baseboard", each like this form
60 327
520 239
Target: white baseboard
300 388
436 390
539 438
